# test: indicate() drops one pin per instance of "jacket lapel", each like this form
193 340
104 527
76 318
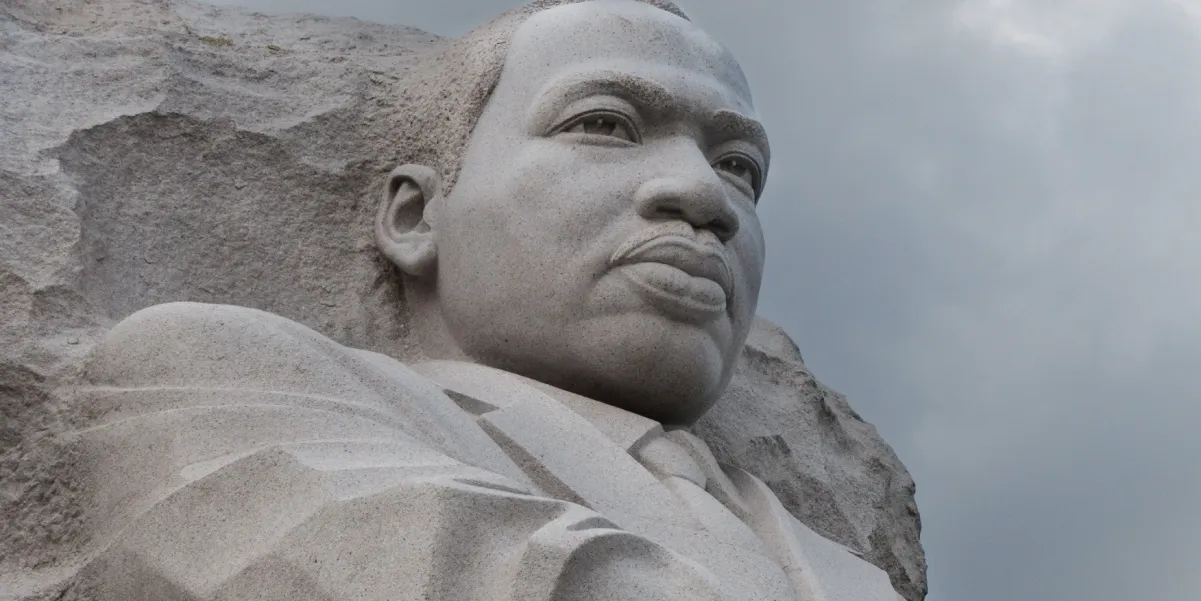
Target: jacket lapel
563 453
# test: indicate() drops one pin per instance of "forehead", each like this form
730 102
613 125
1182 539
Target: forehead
624 36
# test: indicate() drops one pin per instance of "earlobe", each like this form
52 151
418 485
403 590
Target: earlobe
403 230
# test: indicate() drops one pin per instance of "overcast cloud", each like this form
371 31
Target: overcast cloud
984 226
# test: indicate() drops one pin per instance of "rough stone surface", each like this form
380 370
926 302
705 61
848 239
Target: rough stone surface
828 466
161 151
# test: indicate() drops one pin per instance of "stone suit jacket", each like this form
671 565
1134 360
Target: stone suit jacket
234 454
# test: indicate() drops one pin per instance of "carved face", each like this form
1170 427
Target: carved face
602 234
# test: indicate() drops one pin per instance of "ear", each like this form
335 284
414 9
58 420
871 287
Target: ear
403 228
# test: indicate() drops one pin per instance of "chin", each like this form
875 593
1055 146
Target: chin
641 362
663 370
669 404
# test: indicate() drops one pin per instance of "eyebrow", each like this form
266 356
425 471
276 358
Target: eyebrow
735 125
640 90
651 96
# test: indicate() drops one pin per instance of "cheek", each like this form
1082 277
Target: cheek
554 212
576 190
750 252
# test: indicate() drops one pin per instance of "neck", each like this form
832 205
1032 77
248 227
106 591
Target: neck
497 389
428 323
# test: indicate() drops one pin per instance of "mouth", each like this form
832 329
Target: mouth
680 277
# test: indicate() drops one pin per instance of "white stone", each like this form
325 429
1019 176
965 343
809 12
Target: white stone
238 454
153 152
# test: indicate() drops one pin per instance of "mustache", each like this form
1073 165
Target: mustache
694 255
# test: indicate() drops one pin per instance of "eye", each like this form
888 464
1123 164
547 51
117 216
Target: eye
609 125
741 168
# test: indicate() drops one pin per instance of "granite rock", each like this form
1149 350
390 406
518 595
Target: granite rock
828 466
161 151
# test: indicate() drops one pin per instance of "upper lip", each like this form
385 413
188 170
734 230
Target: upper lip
683 253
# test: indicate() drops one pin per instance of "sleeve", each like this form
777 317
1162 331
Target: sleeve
235 454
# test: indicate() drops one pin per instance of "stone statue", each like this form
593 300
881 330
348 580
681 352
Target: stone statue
579 248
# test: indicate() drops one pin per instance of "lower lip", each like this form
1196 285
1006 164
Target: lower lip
677 293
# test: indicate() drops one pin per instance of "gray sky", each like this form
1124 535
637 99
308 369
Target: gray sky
984 226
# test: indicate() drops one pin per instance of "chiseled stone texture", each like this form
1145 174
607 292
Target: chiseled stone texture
161 151
828 466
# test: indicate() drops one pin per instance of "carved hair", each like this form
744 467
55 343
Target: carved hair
451 88
437 105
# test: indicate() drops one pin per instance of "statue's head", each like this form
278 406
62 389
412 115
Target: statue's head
583 213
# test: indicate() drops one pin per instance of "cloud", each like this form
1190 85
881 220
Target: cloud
984 226
1051 28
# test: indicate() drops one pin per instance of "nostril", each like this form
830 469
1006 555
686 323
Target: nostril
696 201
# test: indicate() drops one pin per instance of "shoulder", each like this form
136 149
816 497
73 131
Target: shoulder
198 347
187 354
182 341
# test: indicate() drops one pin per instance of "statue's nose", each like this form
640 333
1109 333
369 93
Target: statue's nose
691 191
